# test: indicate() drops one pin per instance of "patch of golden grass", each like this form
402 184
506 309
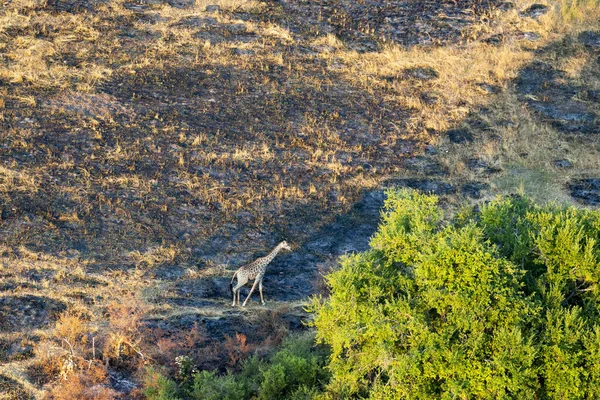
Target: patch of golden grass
12 180
572 15
461 70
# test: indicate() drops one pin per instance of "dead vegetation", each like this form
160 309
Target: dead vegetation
146 146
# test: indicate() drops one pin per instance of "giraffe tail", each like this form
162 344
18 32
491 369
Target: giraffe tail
231 283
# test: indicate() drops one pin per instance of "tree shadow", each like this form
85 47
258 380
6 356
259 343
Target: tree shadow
568 102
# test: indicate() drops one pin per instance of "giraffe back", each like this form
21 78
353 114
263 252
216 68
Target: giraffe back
254 269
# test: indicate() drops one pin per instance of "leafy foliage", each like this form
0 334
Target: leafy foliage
501 302
295 372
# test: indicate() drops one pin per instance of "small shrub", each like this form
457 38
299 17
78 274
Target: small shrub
185 369
297 364
89 383
207 386
304 393
122 344
272 326
159 387
73 328
237 349
165 346
295 371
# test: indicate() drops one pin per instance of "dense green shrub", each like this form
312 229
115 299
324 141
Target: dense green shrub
159 387
297 365
501 302
209 386
296 372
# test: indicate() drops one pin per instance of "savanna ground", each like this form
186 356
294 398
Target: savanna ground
149 148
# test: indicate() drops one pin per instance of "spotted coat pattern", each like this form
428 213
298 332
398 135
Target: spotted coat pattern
255 271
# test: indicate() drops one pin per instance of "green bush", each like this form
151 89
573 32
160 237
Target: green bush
296 372
209 386
498 303
159 387
297 365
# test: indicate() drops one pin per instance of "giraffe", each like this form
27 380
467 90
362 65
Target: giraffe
254 271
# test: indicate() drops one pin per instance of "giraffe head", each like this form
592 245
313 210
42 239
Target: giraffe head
285 245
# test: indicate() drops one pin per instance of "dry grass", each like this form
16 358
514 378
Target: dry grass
129 142
515 142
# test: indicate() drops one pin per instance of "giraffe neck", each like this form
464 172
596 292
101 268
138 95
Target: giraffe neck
269 257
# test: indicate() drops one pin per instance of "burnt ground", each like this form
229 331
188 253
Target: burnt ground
368 25
570 105
189 160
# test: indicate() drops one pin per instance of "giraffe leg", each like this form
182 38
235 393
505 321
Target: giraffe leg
249 294
236 289
262 300
233 291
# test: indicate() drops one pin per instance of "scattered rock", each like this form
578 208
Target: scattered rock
212 8
494 39
480 166
366 25
491 89
152 18
198 22
210 37
531 36
142 5
236 29
74 6
431 150
243 52
421 73
535 11
364 45
592 95
433 186
589 39
181 3
563 163
120 382
586 190
429 98
424 165
474 189
506 6
460 136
